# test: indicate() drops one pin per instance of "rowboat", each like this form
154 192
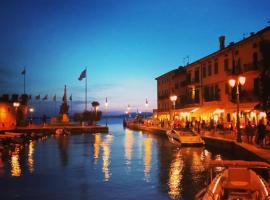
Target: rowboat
238 181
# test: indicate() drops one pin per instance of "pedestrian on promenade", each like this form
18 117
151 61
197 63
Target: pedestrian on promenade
249 132
261 132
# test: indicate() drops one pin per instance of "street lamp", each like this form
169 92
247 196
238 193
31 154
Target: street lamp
146 106
16 105
128 108
232 82
31 110
106 107
173 99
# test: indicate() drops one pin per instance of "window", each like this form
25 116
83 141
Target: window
226 64
197 75
216 68
255 60
227 88
189 77
209 69
256 86
204 71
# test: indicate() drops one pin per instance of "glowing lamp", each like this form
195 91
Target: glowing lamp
16 104
31 110
242 80
173 98
232 82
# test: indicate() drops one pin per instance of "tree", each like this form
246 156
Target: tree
95 105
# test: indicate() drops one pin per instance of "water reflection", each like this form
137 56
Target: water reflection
63 143
96 146
15 163
128 146
106 157
147 157
175 176
1 164
30 160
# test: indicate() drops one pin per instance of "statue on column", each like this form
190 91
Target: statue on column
64 108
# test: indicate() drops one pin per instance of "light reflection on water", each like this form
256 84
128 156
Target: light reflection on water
147 157
175 176
15 162
30 160
123 165
128 145
106 157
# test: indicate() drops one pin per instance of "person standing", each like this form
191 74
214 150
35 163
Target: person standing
261 132
249 131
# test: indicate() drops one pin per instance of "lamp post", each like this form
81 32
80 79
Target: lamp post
173 99
106 108
31 110
146 106
128 108
236 83
16 105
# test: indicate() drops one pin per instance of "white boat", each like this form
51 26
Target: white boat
184 137
238 181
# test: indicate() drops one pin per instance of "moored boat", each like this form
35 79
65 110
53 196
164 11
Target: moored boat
184 137
62 131
238 181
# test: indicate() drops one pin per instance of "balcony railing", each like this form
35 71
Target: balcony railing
246 96
252 66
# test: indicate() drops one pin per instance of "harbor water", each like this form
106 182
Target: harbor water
123 164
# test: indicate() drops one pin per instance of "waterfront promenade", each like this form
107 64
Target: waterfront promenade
218 137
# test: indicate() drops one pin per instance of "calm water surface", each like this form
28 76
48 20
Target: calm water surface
124 164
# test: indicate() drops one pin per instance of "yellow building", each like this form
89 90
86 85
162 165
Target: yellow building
202 87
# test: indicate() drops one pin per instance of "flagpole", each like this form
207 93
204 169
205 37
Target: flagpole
86 90
23 73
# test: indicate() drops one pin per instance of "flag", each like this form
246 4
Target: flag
23 72
54 97
38 97
45 97
70 98
83 75
30 97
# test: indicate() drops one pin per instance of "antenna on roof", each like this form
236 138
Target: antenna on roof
186 61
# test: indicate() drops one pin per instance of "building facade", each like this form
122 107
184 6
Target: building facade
202 87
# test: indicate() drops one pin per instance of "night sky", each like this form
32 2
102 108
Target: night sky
124 44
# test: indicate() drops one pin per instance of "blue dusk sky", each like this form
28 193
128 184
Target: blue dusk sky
125 44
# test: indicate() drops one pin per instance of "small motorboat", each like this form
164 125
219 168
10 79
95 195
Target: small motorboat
62 131
184 137
238 181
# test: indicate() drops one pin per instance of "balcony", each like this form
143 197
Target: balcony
212 98
246 96
161 97
252 66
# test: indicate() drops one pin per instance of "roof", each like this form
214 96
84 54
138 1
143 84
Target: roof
179 69
231 45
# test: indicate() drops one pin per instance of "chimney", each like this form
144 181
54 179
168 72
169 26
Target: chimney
221 42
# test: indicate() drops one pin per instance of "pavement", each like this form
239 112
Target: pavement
261 151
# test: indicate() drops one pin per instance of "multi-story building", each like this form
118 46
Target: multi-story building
202 87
